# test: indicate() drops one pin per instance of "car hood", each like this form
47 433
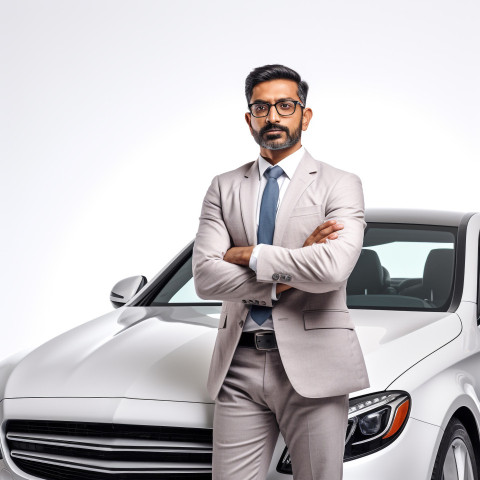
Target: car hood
163 353
394 341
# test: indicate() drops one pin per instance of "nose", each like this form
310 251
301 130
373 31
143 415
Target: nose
273 116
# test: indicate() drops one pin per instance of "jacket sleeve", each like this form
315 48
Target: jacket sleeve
322 267
214 278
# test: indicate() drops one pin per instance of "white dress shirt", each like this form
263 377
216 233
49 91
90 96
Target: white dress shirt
289 165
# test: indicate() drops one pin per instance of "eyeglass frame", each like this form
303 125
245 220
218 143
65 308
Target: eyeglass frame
270 105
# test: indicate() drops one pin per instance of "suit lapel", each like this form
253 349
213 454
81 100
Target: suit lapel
304 175
248 202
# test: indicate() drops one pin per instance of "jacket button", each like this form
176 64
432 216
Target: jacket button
263 303
250 301
256 302
275 276
288 278
244 301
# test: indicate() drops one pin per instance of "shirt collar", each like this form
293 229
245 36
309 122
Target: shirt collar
289 164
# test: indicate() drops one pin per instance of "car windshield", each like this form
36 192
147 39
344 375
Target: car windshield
401 267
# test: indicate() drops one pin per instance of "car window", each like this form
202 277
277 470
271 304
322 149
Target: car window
404 267
180 289
401 267
406 260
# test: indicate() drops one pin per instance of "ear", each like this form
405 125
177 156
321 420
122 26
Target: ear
307 116
248 119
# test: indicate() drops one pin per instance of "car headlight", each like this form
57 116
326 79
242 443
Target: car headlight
374 421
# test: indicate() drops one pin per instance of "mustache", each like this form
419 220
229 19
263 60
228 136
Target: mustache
271 126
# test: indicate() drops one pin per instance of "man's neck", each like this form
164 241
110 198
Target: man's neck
275 156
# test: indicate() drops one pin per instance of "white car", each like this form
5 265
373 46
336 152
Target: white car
123 396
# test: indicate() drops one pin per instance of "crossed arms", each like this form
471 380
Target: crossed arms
222 273
241 255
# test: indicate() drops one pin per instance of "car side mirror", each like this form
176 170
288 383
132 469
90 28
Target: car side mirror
125 289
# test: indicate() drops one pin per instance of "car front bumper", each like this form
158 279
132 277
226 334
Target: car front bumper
410 456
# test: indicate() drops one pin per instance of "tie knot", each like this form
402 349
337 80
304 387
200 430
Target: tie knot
273 172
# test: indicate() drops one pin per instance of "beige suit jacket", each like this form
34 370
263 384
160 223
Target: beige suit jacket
316 338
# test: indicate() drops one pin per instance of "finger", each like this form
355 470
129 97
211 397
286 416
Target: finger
319 239
323 239
327 228
332 228
322 231
324 225
327 231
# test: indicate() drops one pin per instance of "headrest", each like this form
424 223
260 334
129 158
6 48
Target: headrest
386 277
367 276
438 274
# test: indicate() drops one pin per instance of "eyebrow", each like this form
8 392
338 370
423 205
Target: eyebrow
279 100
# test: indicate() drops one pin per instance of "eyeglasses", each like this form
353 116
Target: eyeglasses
283 107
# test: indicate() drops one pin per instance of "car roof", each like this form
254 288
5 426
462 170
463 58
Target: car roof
416 216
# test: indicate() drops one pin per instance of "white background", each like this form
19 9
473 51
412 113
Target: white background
116 114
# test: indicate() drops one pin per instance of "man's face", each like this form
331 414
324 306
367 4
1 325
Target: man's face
276 132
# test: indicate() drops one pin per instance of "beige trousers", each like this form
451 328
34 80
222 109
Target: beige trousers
255 403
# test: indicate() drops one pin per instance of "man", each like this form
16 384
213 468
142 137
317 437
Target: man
286 354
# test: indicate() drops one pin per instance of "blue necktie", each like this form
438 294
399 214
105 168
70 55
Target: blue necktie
266 227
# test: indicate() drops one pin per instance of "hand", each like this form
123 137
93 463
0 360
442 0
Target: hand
239 255
281 287
322 232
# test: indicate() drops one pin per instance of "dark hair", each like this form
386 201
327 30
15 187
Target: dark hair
275 72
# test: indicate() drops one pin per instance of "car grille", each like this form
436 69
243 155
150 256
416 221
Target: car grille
80 450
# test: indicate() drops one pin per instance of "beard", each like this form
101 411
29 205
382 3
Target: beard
270 141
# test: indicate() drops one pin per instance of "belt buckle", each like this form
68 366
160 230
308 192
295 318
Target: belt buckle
271 345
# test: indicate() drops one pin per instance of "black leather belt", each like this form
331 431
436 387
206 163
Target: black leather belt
261 340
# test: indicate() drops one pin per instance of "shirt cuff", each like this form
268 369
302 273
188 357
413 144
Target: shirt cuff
253 257
274 292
